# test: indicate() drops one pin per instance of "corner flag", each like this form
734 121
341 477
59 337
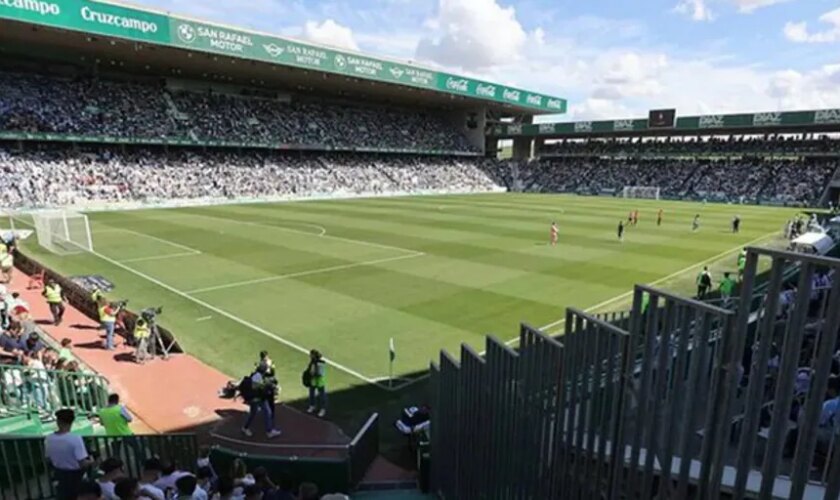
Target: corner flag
392 352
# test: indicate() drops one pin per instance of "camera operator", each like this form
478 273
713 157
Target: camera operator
142 332
258 390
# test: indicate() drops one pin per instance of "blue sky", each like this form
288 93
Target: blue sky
610 58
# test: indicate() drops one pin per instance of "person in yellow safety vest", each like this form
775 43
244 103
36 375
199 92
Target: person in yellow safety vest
318 386
7 262
115 419
142 332
55 299
108 320
96 295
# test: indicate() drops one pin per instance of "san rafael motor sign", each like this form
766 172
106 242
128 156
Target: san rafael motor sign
101 17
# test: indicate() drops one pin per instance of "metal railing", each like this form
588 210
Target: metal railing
25 473
690 401
23 389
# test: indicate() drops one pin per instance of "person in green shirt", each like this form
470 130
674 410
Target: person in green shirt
727 287
115 418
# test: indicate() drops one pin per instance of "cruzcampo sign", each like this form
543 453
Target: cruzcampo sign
135 24
90 17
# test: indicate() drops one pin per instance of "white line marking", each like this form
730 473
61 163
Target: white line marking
623 296
168 242
304 273
204 318
237 319
328 236
160 257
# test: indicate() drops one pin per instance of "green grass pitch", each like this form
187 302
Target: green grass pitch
430 272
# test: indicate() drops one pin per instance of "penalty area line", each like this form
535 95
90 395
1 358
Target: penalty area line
310 272
237 319
160 257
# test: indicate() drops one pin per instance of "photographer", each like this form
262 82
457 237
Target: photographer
257 390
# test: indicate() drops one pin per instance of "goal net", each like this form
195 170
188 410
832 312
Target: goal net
649 192
63 232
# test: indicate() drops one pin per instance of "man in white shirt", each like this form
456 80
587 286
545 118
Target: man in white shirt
67 455
169 475
112 470
151 473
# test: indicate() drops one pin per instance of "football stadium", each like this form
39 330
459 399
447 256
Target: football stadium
240 265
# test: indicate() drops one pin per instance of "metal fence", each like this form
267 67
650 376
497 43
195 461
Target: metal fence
336 467
25 473
23 389
680 399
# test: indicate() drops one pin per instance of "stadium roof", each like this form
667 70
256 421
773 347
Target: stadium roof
822 120
167 41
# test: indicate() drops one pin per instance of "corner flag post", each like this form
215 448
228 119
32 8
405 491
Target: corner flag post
392 354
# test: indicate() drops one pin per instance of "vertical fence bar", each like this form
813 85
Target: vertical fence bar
784 389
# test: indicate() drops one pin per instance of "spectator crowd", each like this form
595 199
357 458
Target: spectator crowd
695 145
82 106
748 180
84 475
64 176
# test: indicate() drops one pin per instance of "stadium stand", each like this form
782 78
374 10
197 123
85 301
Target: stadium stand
748 180
58 175
85 106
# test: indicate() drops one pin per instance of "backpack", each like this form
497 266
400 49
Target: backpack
306 377
246 388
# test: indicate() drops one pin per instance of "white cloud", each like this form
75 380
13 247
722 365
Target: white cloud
819 88
473 34
330 33
749 6
799 32
697 10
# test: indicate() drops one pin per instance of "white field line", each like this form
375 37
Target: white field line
204 318
310 272
617 298
671 276
162 240
323 235
160 257
237 319
230 316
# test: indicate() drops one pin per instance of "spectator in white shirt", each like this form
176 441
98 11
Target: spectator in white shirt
112 470
151 473
67 455
169 475
188 489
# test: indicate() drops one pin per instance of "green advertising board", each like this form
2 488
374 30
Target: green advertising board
686 123
135 24
90 17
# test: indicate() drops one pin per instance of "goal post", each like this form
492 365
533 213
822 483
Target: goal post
645 192
63 232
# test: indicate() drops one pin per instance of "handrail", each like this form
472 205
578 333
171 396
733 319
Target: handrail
23 388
